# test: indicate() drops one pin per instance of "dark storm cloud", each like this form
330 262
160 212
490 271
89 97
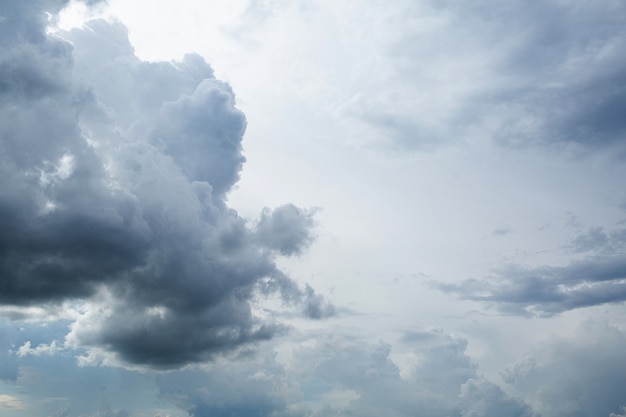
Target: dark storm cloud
166 337
600 278
113 178
44 257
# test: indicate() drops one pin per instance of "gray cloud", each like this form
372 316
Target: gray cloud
582 375
548 290
114 177
524 74
443 381
599 278
484 398
505 231
335 375
202 133
108 413
597 241
315 306
566 69
61 412
254 391
286 229
619 415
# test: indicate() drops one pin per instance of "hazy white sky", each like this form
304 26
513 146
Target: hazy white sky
430 219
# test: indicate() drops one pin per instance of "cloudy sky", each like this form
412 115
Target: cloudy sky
283 208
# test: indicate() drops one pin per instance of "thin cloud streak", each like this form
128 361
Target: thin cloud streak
597 279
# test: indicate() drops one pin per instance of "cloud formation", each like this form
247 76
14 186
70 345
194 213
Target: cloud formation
8 401
598 278
331 373
338 375
119 246
541 74
484 398
114 177
286 229
581 375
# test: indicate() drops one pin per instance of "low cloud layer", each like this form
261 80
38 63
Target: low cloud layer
330 373
342 376
581 375
114 176
599 277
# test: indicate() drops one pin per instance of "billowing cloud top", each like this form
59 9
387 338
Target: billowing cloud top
114 173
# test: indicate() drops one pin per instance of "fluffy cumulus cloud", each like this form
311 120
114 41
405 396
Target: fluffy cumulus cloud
596 277
287 229
249 388
484 398
349 376
581 375
114 175
340 375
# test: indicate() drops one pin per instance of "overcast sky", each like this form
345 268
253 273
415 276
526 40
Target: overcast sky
283 208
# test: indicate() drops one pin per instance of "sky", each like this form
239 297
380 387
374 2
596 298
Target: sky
280 208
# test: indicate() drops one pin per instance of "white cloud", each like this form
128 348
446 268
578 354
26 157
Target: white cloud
582 374
41 349
8 401
619 415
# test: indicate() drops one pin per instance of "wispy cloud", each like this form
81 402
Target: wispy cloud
8 401
599 278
